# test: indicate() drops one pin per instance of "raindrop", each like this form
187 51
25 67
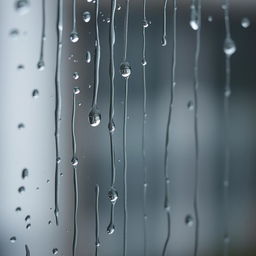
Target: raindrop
226 239
119 7
86 16
144 62
13 239
190 105
14 33
76 90
111 126
40 65
113 195
125 69
22 6
108 20
145 23
74 37
27 218
245 22
55 251
21 189
89 1
27 250
110 229
48 181
189 221
210 19
229 46
94 117
49 222
18 209
88 56
164 41
24 173
97 218
28 226
194 21
75 75
74 161
21 67
35 94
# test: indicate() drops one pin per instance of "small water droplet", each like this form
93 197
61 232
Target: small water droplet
227 93
245 22
21 126
88 56
210 19
18 209
110 229
21 67
28 226
37 188
58 160
125 69
190 105
21 189
40 65
49 222
35 94
86 16
22 6
144 62
97 244
94 117
111 126
27 218
76 90
89 1
47 181
226 239
55 251
74 161
108 20
74 37
119 7
189 221
229 47
14 33
13 239
113 195
75 75
24 173
194 22
145 23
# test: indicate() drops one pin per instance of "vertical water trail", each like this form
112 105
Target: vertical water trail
125 71
27 250
229 49
194 15
145 174
74 163
112 194
94 115
58 104
195 90
97 220
167 138
40 63
164 40
74 37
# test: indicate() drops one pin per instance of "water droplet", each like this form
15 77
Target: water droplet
47 181
227 93
111 126
144 62
55 251
58 160
21 189
145 23
28 226
210 19
49 222
89 1
86 16
18 209
35 94
21 126
189 221
125 69
190 105
37 188
75 75
40 65
194 22
94 117
14 33
22 6
24 173
112 195
76 90
226 239
88 56
245 22
13 239
74 161
97 244
110 229
27 218
119 7
229 47
108 20
74 37
21 67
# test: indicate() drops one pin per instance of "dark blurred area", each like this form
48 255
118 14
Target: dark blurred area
33 147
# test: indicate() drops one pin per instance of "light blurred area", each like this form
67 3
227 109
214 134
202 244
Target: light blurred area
33 147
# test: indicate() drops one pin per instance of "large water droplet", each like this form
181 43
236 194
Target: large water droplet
74 37
24 173
245 22
86 16
88 57
112 195
189 221
110 229
13 239
22 6
94 117
55 251
229 47
21 189
125 69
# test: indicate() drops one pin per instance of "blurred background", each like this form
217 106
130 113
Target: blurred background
27 130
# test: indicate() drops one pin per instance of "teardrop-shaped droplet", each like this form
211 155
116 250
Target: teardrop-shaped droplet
74 37
194 21
14 33
111 126
110 229
190 105
21 189
86 16
113 195
18 209
40 65
21 126
88 56
22 6
189 221
13 239
21 67
76 90
55 251
27 218
24 173
245 22
28 226
210 19
74 161
144 62
75 75
94 117
125 69
229 47
145 23
35 94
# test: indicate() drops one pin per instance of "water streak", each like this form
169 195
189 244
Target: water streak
27 250
145 174
58 104
167 138
164 40
40 63
112 194
74 37
94 115
97 220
